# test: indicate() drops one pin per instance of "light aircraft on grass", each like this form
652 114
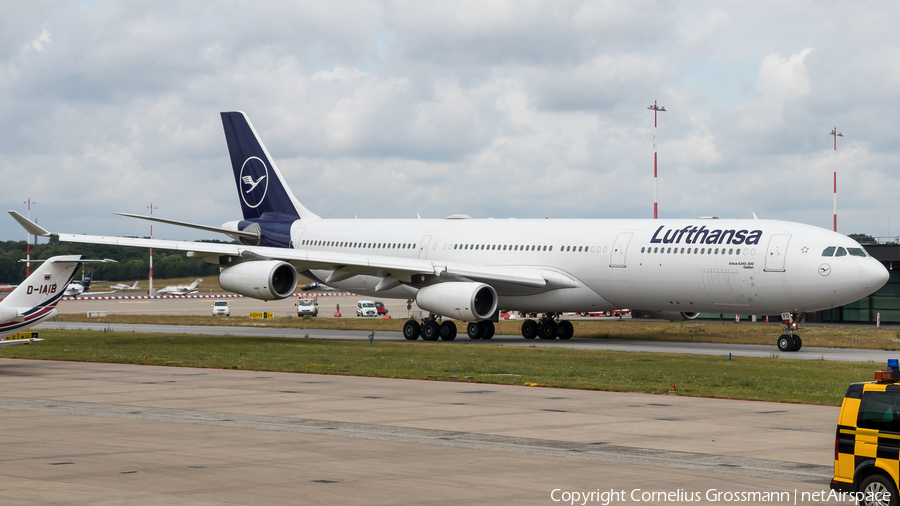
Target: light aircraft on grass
181 289
467 269
35 299
123 286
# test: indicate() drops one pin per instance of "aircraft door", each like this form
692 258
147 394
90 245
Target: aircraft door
776 252
620 247
423 248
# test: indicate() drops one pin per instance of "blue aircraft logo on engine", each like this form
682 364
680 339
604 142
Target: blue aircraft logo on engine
254 181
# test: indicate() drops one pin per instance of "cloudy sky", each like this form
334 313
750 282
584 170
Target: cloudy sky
386 109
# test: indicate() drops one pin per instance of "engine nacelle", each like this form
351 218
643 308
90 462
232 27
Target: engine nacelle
672 316
8 314
466 301
261 279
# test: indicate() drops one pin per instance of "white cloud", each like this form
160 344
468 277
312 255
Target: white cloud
38 43
501 109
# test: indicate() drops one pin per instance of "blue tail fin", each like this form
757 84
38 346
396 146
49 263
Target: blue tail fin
259 183
86 282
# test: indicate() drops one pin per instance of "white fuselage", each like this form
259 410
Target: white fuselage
748 266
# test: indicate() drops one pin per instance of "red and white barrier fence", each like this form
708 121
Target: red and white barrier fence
324 294
220 296
123 297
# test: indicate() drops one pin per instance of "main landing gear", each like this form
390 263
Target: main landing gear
480 330
430 329
548 328
789 340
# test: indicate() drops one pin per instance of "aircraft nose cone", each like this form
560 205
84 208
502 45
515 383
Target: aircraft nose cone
873 275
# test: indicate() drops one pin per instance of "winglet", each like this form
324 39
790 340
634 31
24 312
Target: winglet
29 226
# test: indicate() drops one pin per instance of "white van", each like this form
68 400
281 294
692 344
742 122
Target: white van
307 307
366 308
221 308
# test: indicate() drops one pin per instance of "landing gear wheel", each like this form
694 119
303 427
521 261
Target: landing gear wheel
474 330
529 329
608 313
565 330
548 330
448 331
798 343
785 343
431 330
880 485
488 329
411 330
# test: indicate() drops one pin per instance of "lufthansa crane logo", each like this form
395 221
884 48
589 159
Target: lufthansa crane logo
254 181
824 269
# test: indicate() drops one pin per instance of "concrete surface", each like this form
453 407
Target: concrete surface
110 434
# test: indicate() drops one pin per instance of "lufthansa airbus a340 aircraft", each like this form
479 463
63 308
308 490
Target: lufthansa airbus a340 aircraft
467 269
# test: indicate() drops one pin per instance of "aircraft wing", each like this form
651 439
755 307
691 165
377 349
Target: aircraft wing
345 265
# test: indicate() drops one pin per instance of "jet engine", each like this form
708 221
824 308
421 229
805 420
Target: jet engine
672 316
8 314
466 301
260 279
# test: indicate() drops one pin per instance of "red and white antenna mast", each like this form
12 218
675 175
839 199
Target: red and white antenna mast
28 240
834 133
656 109
150 290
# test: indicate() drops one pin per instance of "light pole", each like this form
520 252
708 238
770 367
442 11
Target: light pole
656 109
28 241
834 133
150 291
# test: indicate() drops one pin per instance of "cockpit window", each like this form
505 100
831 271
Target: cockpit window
857 252
829 251
841 252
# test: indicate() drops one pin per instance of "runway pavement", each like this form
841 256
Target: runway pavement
79 433
737 350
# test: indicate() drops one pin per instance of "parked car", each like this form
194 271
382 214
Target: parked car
366 308
307 307
221 308
614 312
379 306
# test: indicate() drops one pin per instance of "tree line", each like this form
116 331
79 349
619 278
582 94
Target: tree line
133 263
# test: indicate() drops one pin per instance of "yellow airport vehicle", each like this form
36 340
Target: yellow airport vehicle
867 441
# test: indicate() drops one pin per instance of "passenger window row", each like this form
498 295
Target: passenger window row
370 245
838 251
698 251
464 247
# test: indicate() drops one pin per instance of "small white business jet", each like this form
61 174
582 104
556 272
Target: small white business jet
35 299
467 269
181 289
123 286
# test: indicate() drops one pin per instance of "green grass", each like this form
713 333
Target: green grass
764 379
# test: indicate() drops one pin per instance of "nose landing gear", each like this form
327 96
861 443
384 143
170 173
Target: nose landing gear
789 340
